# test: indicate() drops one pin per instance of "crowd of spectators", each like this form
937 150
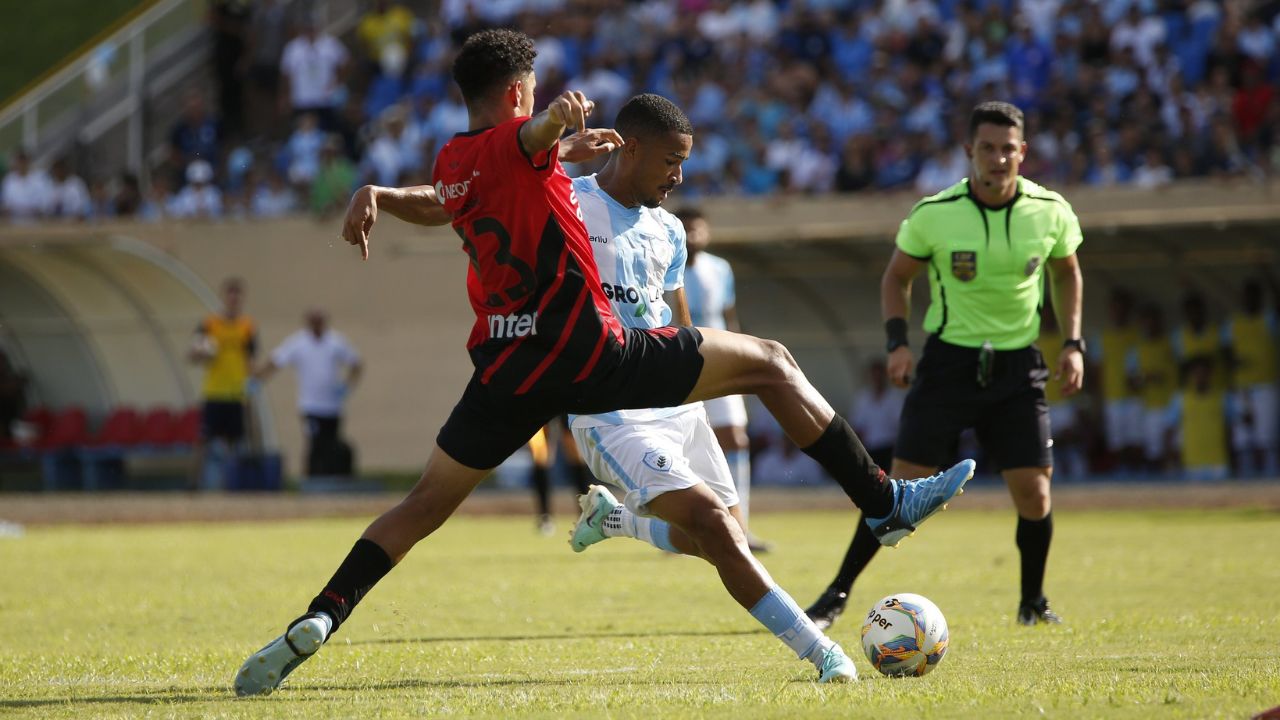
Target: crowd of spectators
788 96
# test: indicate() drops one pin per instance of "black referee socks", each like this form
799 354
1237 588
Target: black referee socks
841 454
1033 538
363 567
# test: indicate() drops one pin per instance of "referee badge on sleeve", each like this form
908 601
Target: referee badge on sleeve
964 265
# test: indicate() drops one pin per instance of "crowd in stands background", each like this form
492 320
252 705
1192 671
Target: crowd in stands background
788 96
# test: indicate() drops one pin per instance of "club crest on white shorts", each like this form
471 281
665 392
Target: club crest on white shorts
657 460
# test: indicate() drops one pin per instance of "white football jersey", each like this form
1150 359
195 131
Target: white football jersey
640 254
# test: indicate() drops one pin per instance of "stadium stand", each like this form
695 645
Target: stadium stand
828 96
837 109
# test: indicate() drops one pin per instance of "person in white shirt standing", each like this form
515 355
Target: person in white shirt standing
26 192
709 287
312 67
875 411
327 367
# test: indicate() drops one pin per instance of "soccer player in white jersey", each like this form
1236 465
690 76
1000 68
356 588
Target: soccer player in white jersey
709 288
679 492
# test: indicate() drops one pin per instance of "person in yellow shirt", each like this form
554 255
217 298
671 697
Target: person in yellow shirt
386 34
1123 421
1203 426
542 451
224 345
1157 374
1253 336
1200 337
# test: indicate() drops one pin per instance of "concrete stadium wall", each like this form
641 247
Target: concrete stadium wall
103 321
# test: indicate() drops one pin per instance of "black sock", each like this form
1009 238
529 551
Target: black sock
581 478
862 548
1033 538
542 489
841 453
363 567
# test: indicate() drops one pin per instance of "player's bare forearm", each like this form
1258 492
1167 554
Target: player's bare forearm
895 285
679 305
543 130
1068 294
731 319
417 205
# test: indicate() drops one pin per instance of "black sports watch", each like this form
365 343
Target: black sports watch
1077 343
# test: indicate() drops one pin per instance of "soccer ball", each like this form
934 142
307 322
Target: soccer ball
904 634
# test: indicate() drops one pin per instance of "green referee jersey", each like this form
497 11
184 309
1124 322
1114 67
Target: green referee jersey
986 265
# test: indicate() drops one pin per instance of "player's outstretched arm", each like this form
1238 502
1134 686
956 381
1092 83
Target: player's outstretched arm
417 205
679 304
570 110
589 144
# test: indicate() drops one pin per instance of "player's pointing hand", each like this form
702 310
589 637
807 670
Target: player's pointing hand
362 213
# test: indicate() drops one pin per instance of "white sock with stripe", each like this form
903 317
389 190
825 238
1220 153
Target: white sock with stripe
621 522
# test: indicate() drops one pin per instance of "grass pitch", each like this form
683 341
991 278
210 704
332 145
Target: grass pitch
1169 614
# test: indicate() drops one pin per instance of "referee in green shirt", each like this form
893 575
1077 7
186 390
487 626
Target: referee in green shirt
985 243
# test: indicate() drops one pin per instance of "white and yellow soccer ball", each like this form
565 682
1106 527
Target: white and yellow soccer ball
905 634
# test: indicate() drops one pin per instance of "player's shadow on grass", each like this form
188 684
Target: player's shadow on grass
142 697
564 636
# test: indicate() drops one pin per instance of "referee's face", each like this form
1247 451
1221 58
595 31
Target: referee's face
995 154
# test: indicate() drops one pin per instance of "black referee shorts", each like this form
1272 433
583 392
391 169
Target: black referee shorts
652 368
1010 415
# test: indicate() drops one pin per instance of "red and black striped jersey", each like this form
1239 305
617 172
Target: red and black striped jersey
541 315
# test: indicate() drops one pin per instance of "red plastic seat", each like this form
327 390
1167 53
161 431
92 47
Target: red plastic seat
68 427
186 430
159 427
122 428
38 419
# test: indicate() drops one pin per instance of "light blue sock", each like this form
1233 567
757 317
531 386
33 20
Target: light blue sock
784 618
660 532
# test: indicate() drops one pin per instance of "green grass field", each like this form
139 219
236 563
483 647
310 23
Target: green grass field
1169 614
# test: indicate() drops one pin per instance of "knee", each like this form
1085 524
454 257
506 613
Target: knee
1030 491
1034 504
782 367
715 530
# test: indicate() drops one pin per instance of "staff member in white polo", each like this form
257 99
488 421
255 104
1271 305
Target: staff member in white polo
327 367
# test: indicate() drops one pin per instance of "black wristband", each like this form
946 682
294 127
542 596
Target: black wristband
895 330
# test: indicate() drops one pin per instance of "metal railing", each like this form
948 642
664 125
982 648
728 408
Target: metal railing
105 85
111 82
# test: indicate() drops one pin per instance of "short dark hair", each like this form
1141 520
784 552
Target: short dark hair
649 114
490 60
688 214
995 113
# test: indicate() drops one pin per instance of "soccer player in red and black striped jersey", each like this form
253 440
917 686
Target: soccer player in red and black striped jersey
545 340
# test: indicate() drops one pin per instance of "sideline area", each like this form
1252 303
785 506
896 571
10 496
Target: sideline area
77 508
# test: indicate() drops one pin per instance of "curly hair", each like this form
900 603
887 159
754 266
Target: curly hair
490 60
650 114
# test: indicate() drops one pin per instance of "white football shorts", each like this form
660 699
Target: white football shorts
651 458
727 411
